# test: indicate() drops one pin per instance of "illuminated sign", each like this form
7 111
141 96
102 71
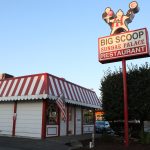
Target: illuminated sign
127 45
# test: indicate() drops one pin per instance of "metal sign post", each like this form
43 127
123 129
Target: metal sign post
126 138
93 139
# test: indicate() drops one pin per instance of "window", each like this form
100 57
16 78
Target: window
88 116
52 114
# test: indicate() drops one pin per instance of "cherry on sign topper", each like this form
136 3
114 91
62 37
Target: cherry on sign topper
122 43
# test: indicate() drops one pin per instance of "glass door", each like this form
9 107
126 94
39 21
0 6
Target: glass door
52 120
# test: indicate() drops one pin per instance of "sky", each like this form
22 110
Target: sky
60 37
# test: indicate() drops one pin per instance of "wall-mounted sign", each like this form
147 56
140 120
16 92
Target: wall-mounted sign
127 45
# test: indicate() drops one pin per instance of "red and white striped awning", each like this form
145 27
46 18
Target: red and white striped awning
42 86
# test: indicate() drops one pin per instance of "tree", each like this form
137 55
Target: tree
138 85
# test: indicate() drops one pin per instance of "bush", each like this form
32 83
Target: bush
145 138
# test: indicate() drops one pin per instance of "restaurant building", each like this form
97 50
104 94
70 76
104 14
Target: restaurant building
28 106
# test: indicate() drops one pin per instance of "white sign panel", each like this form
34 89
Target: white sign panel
127 45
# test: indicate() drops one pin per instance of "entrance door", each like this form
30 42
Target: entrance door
52 120
71 120
63 125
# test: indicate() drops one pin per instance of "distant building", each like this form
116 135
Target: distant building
28 106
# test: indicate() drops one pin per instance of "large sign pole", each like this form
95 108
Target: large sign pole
126 138
122 45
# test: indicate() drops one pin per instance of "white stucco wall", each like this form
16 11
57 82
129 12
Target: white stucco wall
78 121
63 125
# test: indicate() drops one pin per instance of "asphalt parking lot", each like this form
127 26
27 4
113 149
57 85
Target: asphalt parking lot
13 143
55 143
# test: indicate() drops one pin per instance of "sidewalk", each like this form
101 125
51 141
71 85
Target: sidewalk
68 139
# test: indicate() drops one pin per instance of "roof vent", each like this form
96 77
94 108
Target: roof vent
5 76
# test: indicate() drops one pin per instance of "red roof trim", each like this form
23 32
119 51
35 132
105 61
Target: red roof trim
62 79
32 86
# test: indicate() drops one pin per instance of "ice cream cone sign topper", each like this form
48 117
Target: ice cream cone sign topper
119 22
